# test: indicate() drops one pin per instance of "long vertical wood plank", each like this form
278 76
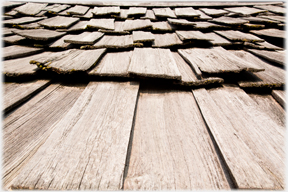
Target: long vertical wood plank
88 147
171 148
251 143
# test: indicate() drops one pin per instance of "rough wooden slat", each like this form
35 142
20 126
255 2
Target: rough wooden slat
239 36
164 12
10 4
59 22
114 41
79 26
142 36
61 44
214 12
69 61
30 125
15 51
183 22
14 39
229 21
113 64
118 29
235 120
136 11
130 25
149 15
16 93
161 26
192 35
31 8
87 15
85 38
274 56
186 12
271 8
244 10
63 13
279 96
100 11
260 20
39 34
92 156
166 40
30 26
275 18
253 26
217 60
267 45
56 8
22 20
150 62
6 17
77 10
203 16
7 31
270 33
171 147
41 14
12 13
208 25
123 14
101 24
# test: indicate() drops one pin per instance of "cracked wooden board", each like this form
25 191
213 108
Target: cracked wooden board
113 64
101 24
165 156
79 26
137 24
182 22
14 39
149 15
85 38
22 135
214 12
123 14
15 51
39 34
118 29
271 8
161 26
279 96
235 120
31 8
7 31
229 21
69 61
244 11
59 22
90 157
238 36
11 4
217 40
274 56
186 12
77 10
101 11
164 12
87 15
192 35
166 40
22 20
155 63
142 36
203 16
136 11
61 44
270 33
56 8
114 41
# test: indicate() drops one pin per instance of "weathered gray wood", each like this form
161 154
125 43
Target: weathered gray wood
164 12
235 120
229 21
186 12
166 40
14 39
26 129
7 31
61 44
113 64
156 63
136 11
142 36
274 56
6 17
101 24
271 77
260 20
22 20
90 157
171 147
63 13
208 25
253 26
239 36
85 38
149 15
217 60
59 22
271 8
39 34
41 14
106 11
270 33
16 93
15 51
79 26
123 14
10 4
192 35
244 10
12 13
203 16
267 45
77 10
114 41
30 26
214 12
69 61
130 25
275 18
118 29
31 8
56 8
183 22
87 15
161 26
279 96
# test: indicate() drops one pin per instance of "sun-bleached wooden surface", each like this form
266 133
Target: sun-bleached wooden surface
59 22
217 39
245 10
106 10
79 26
85 38
39 34
208 25
279 96
60 42
161 26
274 56
136 11
149 15
30 26
14 39
77 10
130 25
260 20
244 134
15 51
275 17
164 12
26 129
171 147
214 12
186 12
271 8
192 35
203 16
87 15
118 29
142 36
229 21
22 20
87 148
270 33
181 22
31 8
101 23
56 8
239 36
270 46
166 40
114 41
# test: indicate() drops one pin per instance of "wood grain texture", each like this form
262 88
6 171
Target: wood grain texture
85 38
271 8
22 20
113 64
15 51
214 12
114 41
87 15
101 23
269 46
106 10
77 10
239 36
275 18
251 26
235 120
229 21
192 35
39 34
149 15
274 56
136 11
92 156
118 29
171 148
56 8
59 22
280 97
186 12
12 13
123 14
203 16
208 25
30 8
61 44
150 62
30 26
182 22
11 4
131 25
244 10
260 20
142 36
164 12
217 40
14 39
270 33
161 26
7 31
166 40
79 26
26 129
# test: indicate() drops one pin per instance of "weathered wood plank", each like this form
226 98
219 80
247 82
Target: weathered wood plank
123 14
87 15
7 31
56 8
114 41
244 11
279 96
275 18
30 26
14 39
164 12
203 16
229 21
166 40
31 8
182 22
15 51
26 129
271 8
165 156
260 20
61 44
150 62
149 15
77 10
100 11
113 64
10 4
235 120
136 11
85 38
39 34
69 61
186 12
214 12
161 26
270 33
217 40
22 20
130 25
251 26
79 26
59 22
101 24
142 36
267 45
118 29
192 35
274 56
239 36
208 25
90 157
12 13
